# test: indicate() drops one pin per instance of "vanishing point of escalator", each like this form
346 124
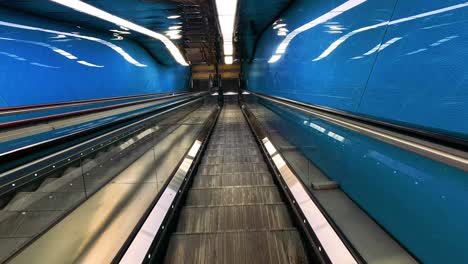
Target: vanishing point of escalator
234 213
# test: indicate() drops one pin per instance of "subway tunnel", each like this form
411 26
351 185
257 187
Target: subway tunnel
233 131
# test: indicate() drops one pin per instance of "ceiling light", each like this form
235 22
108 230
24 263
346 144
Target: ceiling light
175 27
96 12
173 17
274 58
228 48
120 32
227 10
279 26
174 31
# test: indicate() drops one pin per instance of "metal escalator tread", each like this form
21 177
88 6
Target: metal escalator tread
233 212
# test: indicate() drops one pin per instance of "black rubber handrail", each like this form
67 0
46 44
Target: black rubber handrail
442 148
22 174
161 239
440 138
39 107
85 111
36 147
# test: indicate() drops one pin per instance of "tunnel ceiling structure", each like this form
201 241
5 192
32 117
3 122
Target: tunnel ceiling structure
254 17
196 19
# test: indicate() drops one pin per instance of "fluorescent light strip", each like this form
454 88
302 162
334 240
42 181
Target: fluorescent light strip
120 32
279 26
228 59
227 10
96 12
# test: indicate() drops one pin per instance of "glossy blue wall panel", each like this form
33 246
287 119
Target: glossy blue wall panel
423 79
40 62
335 81
357 62
422 203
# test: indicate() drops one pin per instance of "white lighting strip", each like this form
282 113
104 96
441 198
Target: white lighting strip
332 244
136 252
227 10
96 12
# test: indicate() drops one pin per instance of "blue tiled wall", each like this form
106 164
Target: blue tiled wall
398 61
43 61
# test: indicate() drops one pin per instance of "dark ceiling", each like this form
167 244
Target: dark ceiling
197 18
199 25
254 17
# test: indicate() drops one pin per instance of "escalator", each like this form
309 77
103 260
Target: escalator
233 211
29 208
196 184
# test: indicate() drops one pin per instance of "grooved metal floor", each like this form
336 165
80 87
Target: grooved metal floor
234 212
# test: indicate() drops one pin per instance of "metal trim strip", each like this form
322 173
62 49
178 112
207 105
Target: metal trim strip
138 248
330 245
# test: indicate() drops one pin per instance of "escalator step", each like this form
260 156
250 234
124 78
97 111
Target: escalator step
281 246
233 196
232 179
229 218
233 167
234 212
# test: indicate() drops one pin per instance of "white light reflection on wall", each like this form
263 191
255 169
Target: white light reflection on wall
114 47
378 48
323 130
18 58
440 42
322 19
433 45
101 14
341 40
59 51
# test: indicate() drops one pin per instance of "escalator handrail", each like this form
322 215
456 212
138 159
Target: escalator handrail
40 107
448 150
32 170
162 212
51 141
318 229
81 112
